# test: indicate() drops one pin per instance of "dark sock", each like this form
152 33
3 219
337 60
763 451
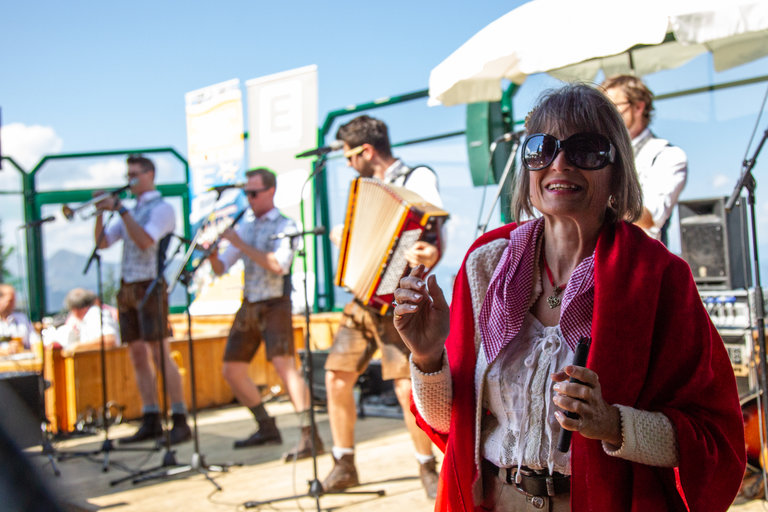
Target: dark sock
260 413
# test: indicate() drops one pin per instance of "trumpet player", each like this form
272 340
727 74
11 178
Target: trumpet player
143 230
265 314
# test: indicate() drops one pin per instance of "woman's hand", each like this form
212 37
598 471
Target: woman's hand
422 319
597 419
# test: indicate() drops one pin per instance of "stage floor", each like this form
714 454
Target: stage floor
385 461
384 454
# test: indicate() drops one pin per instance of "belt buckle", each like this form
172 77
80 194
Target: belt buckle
511 479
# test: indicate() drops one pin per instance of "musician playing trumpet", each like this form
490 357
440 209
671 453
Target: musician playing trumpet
265 313
143 230
363 329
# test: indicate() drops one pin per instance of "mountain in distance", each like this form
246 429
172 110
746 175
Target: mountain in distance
64 271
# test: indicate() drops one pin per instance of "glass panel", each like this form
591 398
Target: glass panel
14 244
67 247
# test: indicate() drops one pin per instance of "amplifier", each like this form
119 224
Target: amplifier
732 312
728 309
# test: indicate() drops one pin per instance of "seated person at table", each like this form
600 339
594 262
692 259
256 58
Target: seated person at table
16 331
82 330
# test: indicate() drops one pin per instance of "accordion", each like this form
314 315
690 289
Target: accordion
382 223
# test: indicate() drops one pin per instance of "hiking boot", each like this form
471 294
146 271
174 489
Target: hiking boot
429 478
180 431
343 475
303 448
267 434
150 428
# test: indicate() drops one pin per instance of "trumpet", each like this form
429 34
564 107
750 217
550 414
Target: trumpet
70 212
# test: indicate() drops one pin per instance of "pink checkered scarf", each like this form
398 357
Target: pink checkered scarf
509 294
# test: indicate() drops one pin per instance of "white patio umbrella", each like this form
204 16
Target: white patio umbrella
574 39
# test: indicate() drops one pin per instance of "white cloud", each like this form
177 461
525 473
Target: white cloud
28 144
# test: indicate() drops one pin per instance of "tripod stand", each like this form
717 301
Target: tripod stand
107 445
315 487
169 457
747 181
197 463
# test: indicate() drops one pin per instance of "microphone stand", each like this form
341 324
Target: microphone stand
169 458
507 168
107 446
747 181
315 487
197 463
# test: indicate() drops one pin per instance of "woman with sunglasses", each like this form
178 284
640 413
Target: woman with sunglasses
658 424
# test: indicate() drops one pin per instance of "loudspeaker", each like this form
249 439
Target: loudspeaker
485 123
714 243
22 402
377 396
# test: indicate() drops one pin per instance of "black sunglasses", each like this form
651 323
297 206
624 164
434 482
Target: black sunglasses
588 151
252 193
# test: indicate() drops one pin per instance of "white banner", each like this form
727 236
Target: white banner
215 147
216 156
282 121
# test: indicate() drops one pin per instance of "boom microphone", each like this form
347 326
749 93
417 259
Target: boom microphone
333 146
319 230
37 222
221 188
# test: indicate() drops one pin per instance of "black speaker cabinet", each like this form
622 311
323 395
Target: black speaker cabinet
21 399
714 243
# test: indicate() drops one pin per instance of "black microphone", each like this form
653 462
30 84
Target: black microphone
37 222
319 230
183 240
221 188
333 146
509 137
579 359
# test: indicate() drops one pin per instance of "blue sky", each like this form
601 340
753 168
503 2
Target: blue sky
90 76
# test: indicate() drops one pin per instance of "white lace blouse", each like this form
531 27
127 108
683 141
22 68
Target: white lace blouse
521 428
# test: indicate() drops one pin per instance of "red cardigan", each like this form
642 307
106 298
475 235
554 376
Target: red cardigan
654 348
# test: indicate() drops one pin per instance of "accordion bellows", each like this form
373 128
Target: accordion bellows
382 223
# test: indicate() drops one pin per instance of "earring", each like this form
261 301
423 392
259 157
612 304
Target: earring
611 201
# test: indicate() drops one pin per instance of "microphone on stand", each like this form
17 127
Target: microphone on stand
319 230
40 222
221 188
333 146
185 241
507 137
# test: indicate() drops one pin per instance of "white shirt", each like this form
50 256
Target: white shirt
519 393
662 170
17 325
88 329
421 180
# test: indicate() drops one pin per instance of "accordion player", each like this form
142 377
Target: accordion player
373 245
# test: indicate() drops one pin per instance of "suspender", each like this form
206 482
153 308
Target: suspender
409 171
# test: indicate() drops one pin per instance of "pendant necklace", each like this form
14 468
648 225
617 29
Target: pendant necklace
553 300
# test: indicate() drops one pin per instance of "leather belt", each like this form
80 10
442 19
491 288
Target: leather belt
532 483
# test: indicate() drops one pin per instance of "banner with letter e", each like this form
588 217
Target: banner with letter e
282 122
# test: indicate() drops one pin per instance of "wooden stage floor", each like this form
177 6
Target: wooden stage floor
384 452
385 461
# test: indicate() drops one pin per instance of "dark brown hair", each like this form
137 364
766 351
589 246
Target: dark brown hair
267 176
577 108
366 130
